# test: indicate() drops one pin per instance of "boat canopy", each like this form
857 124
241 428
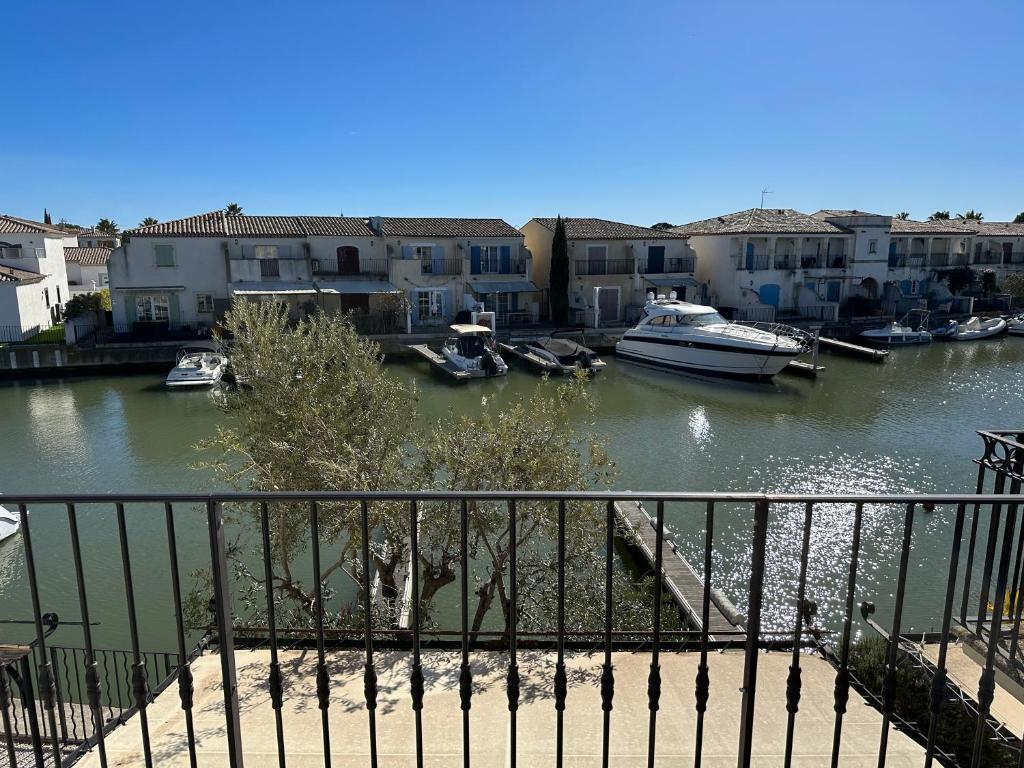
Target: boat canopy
672 282
675 307
273 289
468 329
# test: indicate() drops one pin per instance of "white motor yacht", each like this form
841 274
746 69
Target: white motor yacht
973 330
197 367
1015 325
9 523
696 339
912 328
472 349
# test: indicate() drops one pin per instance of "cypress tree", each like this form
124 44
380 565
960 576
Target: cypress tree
46 217
559 275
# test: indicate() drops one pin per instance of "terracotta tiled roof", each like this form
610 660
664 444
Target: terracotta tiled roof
830 212
937 227
603 229
397 226
999 229
202 225
15 275
87 257
16 225
766 221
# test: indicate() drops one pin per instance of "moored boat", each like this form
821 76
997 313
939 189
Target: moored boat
197 367
1015 325
974 329
912 328
555 355
9 523
696 339
472 350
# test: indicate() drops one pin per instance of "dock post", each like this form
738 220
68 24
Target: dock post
753 633
814 355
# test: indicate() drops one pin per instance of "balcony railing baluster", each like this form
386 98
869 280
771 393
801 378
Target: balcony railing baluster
654 678
702 690
756 597
561 683
323 680
416 673
990 553
465 673
969 569
842 684
793 682
607 673
369 673
94 691
889 679
512 677
938 693
275 684
5 720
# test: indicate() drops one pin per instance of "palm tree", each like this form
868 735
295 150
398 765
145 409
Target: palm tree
107 227
903 215
939 216
1019 218
971 215
233 209
148 221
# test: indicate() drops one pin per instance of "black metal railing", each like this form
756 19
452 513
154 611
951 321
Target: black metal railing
785 619
332 266
35 334
605 267
785 261
988 258
270 268
668 266
441 266
755 261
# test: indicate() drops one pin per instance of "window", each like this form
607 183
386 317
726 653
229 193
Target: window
58 294
429 304
872 246
152 309
597 253
164 255
710 318
204 303
489 261
40 253
265 251
46 297
270 268
104 278
425 252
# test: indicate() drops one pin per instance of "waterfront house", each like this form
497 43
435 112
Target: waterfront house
86 268
33 283
93 238
446 265
613 266
390 273
771 263
998 246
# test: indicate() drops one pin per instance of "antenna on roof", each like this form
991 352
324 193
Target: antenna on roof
764 192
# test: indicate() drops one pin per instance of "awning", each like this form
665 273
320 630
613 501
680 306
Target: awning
510 286
355 286
147 288
672 282
275 289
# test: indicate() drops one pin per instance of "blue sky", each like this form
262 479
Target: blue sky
640 112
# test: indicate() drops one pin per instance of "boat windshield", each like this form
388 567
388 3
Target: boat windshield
471 346
711 318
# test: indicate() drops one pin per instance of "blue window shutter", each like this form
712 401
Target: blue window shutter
129 308
514 307
892 247
414 302
406 251
905 287
506 260
437 257
474 260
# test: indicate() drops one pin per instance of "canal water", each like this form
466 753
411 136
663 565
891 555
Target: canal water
905 426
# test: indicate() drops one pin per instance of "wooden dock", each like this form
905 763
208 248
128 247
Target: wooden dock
439 363
679 577
853 350
800 368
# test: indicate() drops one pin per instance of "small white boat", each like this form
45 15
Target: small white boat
912 328
973 330
472 349
9 523
1015 325
692 338
197 367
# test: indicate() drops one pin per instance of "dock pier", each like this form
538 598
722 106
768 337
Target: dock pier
853 350
681 580
438 363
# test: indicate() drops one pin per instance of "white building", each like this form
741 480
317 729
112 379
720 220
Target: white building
34 283
613 265
185 273
87 268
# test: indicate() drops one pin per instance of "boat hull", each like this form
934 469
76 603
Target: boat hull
748 364
898 339
9 523
191 383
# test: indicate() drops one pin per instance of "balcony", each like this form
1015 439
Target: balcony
368 267
441 267
604 267
752 262
548 682
270 268
989 258
11 253
671 266
823 312
830 261
785 262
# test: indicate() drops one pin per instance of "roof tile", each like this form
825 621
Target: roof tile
87 257
395 226
767 221
603 229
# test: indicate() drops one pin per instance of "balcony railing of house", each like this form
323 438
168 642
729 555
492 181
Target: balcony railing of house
755 314
785 261
1017 257
11 253
781 619
270 268
441 267
673 265
823 312
607 267
897 260
378 323
755 261
989 258
331 266
823 262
